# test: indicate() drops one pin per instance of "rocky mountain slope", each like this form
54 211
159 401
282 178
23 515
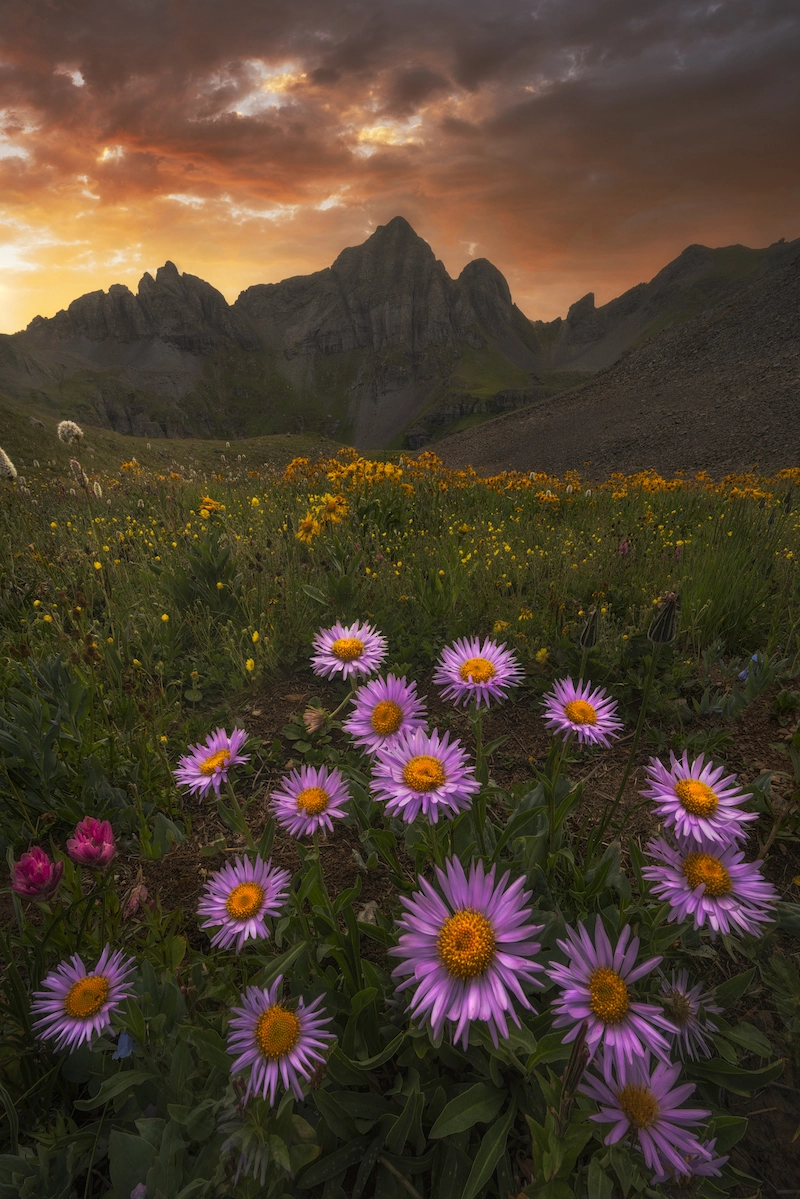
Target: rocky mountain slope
359 349
382 348
719 393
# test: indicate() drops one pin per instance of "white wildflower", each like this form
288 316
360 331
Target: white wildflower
69 432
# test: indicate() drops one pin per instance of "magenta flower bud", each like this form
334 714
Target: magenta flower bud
34 876
92 843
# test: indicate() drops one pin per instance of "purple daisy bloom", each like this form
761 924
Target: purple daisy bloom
425 773
277 1041
239 897
595 985
575 708
689 1008
75 1004
382 710
696 1165
207 765
649 1106
482 671
719 889
697 801
467 952
309 798
348 649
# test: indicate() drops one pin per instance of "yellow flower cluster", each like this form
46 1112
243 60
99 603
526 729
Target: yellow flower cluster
325 509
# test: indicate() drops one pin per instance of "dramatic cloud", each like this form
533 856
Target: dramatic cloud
577 144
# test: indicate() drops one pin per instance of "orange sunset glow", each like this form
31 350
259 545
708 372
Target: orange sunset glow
578 146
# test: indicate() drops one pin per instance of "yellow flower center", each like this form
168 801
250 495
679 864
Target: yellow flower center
580 712
477 670
312 801
705 868
424 773
696 797
466 943
212 763
387 716
639 1105
346 649
85 997
244 901
608 995
277 1032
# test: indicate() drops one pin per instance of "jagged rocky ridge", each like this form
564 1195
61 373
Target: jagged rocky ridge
718 393
380 348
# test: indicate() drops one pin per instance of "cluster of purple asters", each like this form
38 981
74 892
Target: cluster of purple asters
700 869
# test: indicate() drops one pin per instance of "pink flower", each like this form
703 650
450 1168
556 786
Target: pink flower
92 843
624 547
34 876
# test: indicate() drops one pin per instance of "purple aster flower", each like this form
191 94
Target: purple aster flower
724 892
382 710
425 773
207 765
74 1004
649 1106
239 897
696 1165
470 669
277 1041
575 708
689 1008
348 649
695 799
595 987
467 951
309 798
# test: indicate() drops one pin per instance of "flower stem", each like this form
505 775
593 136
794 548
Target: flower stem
648 683
238 817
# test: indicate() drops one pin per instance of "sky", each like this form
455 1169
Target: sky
579 145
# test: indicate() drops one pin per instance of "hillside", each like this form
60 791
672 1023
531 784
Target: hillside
357 350
382 349
719 393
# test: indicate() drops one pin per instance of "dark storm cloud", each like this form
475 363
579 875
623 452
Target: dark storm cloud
535 130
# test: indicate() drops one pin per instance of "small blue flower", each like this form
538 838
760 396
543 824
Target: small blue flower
125 1047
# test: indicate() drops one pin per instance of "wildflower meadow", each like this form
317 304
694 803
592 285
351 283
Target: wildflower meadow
378 829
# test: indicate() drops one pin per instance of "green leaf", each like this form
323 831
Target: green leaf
129 1160
493 1146
728 1131
600 1185
750 1038
316 594
13 1119
400 1131
478 1105
454 1173
211 1047
728 992
733 1078
333 1164
367 1166
380 1059
334 1115
281 965
116 1085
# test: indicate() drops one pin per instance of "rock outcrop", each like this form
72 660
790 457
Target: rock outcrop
720 393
